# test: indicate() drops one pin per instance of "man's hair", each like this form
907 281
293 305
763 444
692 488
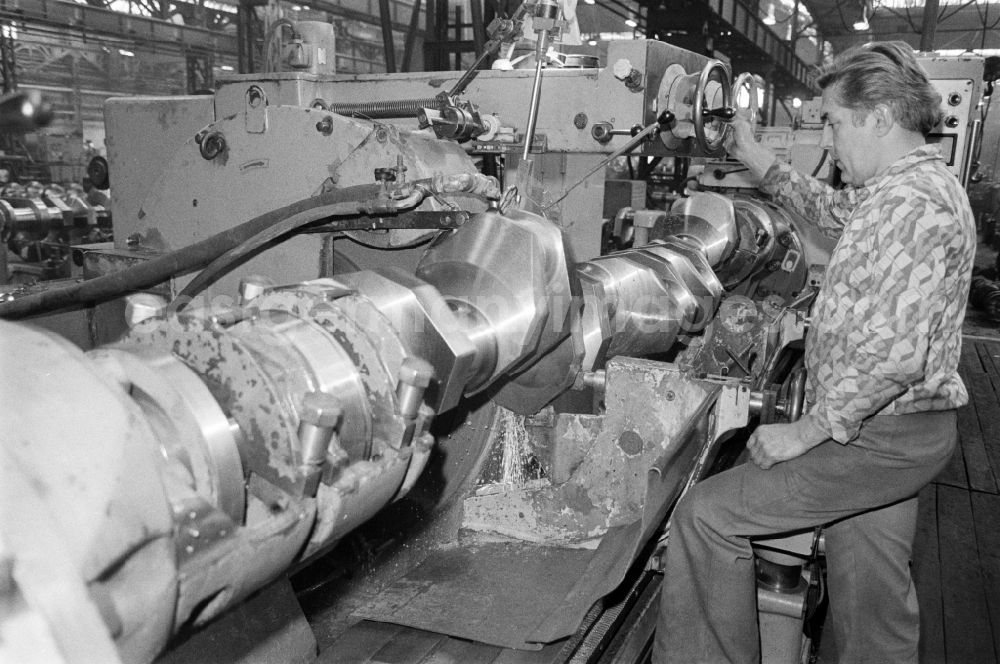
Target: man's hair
887 73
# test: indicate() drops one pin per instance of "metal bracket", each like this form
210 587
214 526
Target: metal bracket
256 110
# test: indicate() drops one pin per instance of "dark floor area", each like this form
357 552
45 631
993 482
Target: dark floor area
956 553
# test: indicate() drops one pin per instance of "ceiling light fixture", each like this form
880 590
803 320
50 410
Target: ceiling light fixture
769 18
867 9
632 23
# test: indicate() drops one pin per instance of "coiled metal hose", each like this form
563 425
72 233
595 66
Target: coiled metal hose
382 110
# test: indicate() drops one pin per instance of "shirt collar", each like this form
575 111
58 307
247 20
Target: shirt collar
920 154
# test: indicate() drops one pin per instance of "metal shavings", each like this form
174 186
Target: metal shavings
513 438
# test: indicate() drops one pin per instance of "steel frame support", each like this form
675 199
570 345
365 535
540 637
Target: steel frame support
105 21
411 36
385 16
928 29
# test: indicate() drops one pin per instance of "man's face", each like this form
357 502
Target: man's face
852 146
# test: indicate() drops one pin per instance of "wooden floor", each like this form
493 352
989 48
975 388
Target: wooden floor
957 548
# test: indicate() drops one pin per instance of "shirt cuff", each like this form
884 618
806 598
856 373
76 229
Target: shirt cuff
774 177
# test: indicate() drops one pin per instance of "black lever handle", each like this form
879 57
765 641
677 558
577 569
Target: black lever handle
723 113
666 120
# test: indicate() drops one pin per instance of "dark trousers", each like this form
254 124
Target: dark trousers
864 493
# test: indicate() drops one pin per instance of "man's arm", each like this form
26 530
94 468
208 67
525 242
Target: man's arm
741 144
826 207
773 443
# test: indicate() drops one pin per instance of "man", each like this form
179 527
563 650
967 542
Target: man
882 357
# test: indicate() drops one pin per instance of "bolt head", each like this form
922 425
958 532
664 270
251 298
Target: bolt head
143 306
622 69
253 285
321 409
416 371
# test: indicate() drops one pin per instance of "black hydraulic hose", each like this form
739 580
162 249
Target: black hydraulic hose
150 273
227 260
822 160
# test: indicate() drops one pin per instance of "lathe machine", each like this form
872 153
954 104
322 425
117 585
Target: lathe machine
347 294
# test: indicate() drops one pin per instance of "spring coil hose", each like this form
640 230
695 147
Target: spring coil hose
381 110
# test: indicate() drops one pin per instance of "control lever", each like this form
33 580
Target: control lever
637 139
602 132
666 120
724 113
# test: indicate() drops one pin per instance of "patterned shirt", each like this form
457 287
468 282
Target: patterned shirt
886 326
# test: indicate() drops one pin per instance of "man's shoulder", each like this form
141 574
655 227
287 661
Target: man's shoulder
923 201
928 182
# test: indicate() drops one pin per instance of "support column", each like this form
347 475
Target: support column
928 29
478 26
411 36
385 14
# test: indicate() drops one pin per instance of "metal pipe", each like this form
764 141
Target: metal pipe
970 151
411 34
536 92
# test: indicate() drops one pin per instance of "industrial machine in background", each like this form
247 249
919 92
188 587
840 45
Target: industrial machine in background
382 300
42 224
39 223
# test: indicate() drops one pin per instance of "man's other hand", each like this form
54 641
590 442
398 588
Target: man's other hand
773 443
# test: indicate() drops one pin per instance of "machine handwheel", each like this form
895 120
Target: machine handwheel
700 112
791 396
796 395
747 81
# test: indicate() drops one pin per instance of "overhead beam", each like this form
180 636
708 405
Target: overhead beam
344 12
748 23
97 20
